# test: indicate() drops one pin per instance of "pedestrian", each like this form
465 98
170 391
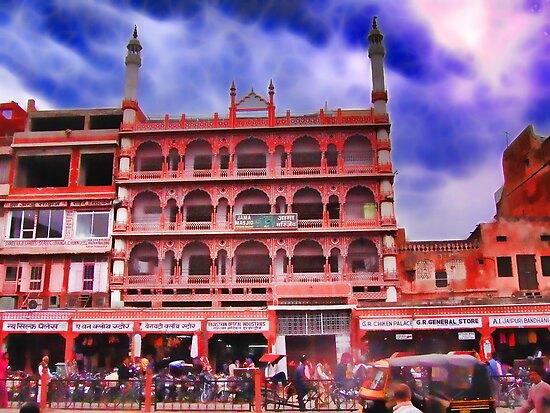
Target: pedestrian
272 372
4 365
495 366
235 365
402 396
29 407
539 393
322 378
249 363
44 373
124 370
496 372
302 377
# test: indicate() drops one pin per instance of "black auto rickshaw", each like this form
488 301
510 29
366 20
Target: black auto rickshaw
440 383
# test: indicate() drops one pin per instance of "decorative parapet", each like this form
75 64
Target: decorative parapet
455 245
338 117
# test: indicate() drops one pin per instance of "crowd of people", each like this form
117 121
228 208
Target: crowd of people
306 371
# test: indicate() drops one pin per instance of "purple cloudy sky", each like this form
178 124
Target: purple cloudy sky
460 74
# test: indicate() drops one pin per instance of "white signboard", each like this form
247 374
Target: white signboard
170 326
403 336
445 323
103 326
35 326
236 326
466 335
520 321
386 323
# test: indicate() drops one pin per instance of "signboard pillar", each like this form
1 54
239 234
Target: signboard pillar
69 346
257 391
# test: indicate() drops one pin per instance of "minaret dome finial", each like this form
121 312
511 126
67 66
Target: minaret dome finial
135 32
374 24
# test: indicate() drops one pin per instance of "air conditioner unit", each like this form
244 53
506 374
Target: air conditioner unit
35 304
8 303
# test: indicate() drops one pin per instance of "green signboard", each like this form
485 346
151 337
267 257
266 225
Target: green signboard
266 221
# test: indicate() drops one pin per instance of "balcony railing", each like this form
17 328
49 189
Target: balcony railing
303 224
259 280
243 173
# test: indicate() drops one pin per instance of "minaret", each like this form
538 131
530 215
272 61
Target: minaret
376 55
133 63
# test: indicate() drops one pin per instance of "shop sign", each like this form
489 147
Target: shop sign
466 335
35 326
236 326
403 336
386 323
170 326
520 321
447 323
266 221
103 326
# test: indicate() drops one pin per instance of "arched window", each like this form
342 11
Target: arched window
252 201
143 260
308 204
148 157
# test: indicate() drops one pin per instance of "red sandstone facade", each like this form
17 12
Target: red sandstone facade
251 230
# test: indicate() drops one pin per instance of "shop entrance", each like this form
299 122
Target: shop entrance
100 351
164 348
224 348
517 344
382 344
26 350
316 348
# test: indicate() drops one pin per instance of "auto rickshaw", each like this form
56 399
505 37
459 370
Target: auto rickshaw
440 383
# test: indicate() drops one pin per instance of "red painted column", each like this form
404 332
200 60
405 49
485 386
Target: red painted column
65 288
74 168
486 344
272 334
204 336
148 389
69 344
257 390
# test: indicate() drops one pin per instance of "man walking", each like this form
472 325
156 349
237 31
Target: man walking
539 393
301 381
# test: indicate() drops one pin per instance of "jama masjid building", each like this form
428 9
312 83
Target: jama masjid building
246 232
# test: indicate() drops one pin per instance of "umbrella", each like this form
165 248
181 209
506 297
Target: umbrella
271 358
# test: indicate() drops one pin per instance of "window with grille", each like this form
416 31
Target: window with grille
314 323
425 270
31 224
92 224
88 277
441 279
504 267
456 270
35 283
